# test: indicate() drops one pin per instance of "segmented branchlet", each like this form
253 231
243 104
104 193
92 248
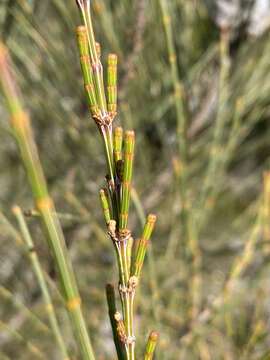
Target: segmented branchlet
151 345
115 198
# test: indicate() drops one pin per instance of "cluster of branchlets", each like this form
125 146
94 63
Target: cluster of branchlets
115 196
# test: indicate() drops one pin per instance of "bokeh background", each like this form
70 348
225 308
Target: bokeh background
227 103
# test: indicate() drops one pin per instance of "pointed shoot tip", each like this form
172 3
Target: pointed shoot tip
154 335
152 218
16 209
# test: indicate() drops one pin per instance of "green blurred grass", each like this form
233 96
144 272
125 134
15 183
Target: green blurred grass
42 42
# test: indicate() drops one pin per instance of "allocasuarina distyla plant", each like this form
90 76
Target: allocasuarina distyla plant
115 198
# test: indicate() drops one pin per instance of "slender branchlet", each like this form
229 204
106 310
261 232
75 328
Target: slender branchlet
239 266
112 84
104 198
190 237
142 245
129 143
95 90
151 345
217 151
117 144
95 54
87 71
129 252
111 302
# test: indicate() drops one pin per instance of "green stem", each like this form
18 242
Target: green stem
95 61
179 106
151 345
110 295
217 151
191 247
54 234
41 280
151 264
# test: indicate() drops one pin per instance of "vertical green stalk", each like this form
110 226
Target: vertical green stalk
192 250
112 105
55 237
129 143
105 205
151 345
86 69
151 266
225 154
217 158
112 83
216 147
127 297
110 295
142 246
120 167
97 68
96 91
91 94
117 154
117 146
42 283
238 267
178 102
128 304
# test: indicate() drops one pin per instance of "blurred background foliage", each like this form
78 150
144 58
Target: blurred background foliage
227 121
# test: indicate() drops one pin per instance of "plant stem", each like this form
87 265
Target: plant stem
217 151
44 204
41 280
152 272
191 249
238 267
119 156
151 345
179 106
110 295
